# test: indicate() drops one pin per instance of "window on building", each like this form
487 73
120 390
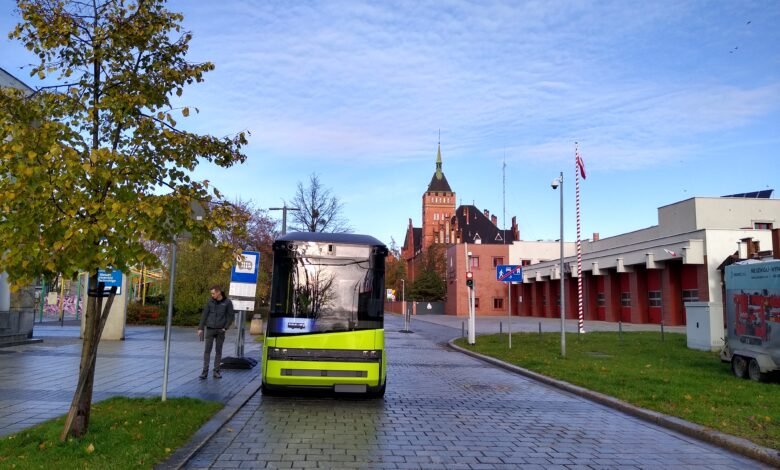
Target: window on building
654 298
690 295
498 304
525 262
762 225
498 260
625 299
435 216
601 299
476 302
475 262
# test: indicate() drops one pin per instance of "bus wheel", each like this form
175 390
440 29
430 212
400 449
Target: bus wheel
739 366
754 371
380 392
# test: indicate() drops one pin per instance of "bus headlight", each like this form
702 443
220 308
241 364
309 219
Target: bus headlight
277 353
371 354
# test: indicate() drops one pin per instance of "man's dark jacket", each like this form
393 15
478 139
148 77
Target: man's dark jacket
217 314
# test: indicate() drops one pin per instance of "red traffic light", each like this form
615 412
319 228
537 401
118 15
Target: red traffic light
469 275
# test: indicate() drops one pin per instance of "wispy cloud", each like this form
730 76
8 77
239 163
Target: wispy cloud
355 80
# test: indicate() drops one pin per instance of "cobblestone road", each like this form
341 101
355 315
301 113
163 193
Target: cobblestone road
445 410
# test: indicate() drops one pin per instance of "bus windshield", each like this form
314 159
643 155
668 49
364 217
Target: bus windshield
321 287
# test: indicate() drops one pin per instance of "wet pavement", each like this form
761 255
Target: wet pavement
446 410
37 380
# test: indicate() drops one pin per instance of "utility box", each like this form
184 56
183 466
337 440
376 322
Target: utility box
704 325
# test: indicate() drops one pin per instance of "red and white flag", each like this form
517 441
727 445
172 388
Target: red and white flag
580 164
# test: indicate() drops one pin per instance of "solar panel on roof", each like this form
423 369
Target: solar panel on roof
763 194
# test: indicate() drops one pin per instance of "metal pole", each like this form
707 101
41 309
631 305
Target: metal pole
43 298
62 301
168 322
78 296
284 210
240 338
563 298
472 319
509 324
472 312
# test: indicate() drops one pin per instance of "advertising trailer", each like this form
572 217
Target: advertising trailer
753 318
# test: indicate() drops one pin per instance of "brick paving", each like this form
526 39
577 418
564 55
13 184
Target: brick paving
37 380
446 410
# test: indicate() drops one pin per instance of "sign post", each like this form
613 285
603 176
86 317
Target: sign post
509 273
243 286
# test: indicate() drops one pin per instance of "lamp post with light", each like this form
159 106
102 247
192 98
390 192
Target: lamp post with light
555 184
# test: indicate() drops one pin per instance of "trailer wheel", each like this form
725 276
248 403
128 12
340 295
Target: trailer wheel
754 371
739 366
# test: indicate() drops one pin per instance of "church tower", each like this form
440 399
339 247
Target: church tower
438 207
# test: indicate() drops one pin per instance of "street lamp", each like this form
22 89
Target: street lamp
284 210
555 183
197 212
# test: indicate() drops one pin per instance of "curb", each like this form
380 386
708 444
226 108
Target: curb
732 443
182 455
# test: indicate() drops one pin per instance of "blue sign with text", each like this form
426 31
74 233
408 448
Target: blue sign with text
109 279
245 269
509 273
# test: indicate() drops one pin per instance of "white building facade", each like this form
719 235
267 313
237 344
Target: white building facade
646 276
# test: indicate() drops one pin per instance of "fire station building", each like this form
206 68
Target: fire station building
648 275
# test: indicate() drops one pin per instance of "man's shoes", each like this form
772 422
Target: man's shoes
217 374
204 375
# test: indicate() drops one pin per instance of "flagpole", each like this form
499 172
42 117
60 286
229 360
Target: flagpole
580 318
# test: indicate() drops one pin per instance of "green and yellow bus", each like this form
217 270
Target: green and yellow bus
325 329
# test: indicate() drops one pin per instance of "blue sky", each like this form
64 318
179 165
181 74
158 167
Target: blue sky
667 99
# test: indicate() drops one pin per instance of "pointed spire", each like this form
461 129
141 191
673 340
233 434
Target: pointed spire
438 163
439 181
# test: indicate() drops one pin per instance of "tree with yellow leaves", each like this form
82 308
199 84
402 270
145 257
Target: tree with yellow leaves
94 166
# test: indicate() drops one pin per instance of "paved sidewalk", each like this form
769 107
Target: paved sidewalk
445 410
494 324
37 381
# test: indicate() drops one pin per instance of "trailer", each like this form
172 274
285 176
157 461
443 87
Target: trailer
752 304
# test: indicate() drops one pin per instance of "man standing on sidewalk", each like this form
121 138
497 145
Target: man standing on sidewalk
216 319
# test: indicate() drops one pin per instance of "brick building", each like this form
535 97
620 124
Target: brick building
646 276
453 229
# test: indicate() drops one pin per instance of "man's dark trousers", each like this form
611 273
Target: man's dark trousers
212 335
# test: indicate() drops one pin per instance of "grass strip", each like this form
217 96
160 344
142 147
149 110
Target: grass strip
124 433
645 370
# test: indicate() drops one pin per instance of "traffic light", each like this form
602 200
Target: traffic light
470 282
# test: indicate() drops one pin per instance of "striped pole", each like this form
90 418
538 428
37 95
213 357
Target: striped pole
581 321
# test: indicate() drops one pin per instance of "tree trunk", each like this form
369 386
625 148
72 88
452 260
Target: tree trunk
77 421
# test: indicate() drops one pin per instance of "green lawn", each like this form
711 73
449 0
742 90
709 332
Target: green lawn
642 369
124 433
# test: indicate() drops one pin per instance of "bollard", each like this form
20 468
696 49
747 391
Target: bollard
620 330
463 329
662 330
500 327
540 328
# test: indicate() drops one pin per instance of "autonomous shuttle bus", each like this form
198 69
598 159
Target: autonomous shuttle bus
325 327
